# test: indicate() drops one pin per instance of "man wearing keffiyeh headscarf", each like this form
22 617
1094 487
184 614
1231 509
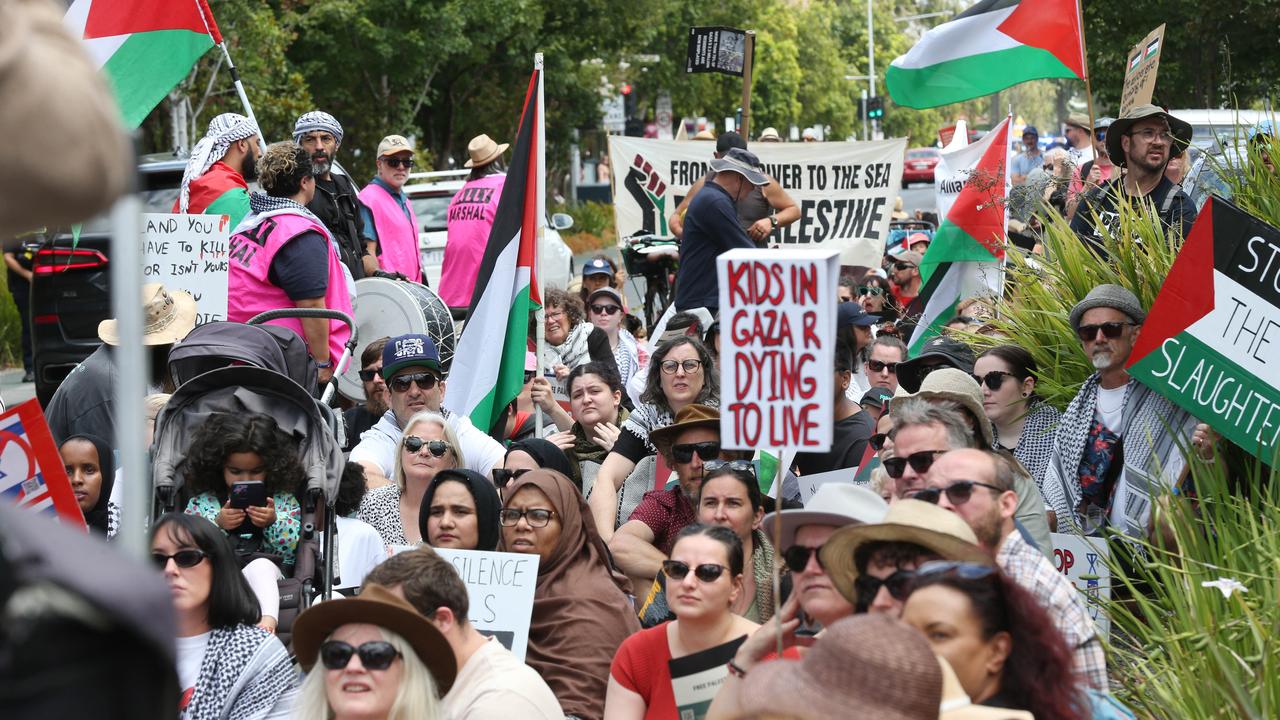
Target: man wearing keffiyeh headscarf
336 200
216 179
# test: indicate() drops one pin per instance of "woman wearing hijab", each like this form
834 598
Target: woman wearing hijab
460 510
534 454
582 610
90 466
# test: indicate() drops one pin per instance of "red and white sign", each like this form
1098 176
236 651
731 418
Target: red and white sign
31 470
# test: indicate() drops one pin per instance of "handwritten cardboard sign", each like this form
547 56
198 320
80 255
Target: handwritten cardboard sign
500 587
31 470
1084 562
189 252
1141 65
778 320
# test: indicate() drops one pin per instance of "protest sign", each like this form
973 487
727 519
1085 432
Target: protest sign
696 678
844 190
189 252
31 470
1211 343
1084 562
1140 69
500 589
809 484
778 320
716 49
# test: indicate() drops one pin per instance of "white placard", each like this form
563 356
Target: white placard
1084 562
189 252
809 484
845 190
778 321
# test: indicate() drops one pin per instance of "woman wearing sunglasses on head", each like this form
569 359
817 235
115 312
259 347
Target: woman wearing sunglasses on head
428 446
460 510
606 311
1024 424
227 666
730 497
371 657
582 609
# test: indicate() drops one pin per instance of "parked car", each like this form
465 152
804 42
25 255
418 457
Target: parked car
920 165
431 193
71 284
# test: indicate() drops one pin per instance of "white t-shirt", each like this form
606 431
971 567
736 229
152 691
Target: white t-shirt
190 655
494 685
378 444
1109 410
360 549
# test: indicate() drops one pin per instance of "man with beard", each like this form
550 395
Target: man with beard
1141 142
336 200
362 417
1091 482
978 485
216 179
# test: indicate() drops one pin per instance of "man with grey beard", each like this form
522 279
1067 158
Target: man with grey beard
336 202
1118 440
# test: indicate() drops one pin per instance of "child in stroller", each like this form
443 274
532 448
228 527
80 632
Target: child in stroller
231 449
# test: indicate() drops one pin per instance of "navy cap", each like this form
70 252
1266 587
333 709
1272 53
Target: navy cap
876 397
851 313
598 266
1031 130
409 351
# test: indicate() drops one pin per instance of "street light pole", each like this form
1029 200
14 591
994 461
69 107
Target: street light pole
871 60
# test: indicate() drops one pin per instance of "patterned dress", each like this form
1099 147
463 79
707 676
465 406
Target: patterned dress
279 538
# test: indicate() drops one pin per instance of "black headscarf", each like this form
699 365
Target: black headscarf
549 457
97 517
482 492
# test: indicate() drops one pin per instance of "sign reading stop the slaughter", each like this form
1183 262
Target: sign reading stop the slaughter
778 324
844 190
189 252
1084 562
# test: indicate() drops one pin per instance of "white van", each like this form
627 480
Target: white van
1218 127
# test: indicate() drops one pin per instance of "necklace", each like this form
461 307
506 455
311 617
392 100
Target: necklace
1109 411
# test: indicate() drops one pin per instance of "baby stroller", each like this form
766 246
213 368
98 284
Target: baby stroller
250 373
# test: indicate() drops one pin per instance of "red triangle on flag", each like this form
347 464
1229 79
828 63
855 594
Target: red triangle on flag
979 208
1051 25
108 18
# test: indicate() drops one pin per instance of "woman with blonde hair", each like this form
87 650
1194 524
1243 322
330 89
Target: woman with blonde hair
427 446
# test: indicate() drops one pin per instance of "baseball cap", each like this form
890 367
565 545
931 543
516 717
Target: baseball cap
597 266
1030 130
617 297
910 256
394 144
852 313
407 351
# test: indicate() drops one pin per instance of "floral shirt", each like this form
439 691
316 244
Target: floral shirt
279 538
1097 485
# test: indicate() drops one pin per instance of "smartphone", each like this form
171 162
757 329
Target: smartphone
251 493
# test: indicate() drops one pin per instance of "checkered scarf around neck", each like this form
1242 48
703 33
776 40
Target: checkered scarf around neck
232 652
317 120
223 130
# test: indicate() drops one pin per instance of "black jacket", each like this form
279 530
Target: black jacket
338 207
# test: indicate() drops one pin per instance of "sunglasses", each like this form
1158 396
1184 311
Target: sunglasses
437 448
873 291
706 572
797 557
374 655
920 462
182 558
708 450
902 266
424 381
369 375
958 493
1110 330
536 517
877 366
898 584
503 476
398 162
745 466
994 380
1100 134
965 570
690 366
604 309
877 441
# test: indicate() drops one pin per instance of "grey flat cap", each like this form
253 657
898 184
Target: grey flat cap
1109 296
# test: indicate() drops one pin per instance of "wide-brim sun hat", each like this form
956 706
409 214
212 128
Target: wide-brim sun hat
743 162
956 353
168 315
958 387
375 605
482 150
1180 129
837 504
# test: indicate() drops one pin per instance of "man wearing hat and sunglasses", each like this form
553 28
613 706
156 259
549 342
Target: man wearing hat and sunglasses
761 211
389 219
471 214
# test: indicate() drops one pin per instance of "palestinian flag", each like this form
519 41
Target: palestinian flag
488 366
991 46
1209 344
145 47
966 256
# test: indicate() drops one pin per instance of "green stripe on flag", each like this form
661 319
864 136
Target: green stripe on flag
148 65
972 76
511 365
233 203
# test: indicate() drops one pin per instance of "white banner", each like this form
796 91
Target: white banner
1084 562
188 252
845 190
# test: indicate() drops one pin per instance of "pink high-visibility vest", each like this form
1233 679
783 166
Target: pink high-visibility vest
250 291
397 233
470 217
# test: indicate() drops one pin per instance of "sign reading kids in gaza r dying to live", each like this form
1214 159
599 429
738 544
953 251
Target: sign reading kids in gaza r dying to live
778 321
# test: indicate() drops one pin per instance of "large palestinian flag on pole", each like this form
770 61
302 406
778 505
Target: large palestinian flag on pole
145 47
1211 343
488 367
990 46
966 257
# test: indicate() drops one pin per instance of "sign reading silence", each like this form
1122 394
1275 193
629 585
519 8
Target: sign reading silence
500 590
1211 343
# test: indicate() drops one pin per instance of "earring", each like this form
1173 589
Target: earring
1026 394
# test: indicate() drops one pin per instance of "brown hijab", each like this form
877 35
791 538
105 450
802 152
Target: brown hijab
581 608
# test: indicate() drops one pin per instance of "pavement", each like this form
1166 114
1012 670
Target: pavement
12 390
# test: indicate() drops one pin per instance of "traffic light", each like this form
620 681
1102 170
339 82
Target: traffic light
626 88
875 108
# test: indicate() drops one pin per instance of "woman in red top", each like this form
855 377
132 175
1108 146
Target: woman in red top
704 578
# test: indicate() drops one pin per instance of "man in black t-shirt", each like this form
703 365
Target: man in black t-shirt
852 426
336 202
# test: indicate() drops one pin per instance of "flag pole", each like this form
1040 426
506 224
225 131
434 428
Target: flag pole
211 27
749 49
1084 65
539 325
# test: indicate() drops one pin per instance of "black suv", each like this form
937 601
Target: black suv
71 287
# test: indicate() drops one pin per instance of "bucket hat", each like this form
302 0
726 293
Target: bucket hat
959 387
1180 129
743 162
956 353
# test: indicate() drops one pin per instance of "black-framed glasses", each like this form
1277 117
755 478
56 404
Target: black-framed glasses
396 162
1110 330
689 366
958 492
605 309
877 366
898 584
503 476
994 380
877 441
374 655
369 375
965 570
536 517
1151 134
745 466
902 266
870 290
706 572
920 462
797 557
182 558
437 448
708 451
424 381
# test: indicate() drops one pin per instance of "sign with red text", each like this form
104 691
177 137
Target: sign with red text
1084 562
778 330
189 252
31 470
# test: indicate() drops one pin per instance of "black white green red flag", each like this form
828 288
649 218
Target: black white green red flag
488 366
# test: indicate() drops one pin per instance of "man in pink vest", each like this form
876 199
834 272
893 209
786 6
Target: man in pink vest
470 219
389 217
282 256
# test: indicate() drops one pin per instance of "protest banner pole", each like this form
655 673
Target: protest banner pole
131 363
777 543
539 325
211 27
1084 65
748 51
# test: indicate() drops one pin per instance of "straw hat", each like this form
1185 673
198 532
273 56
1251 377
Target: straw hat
167 317
375 605
689 417
704 134
483 150
957 386
914 521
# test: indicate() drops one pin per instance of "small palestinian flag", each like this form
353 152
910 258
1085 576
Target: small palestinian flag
1211 343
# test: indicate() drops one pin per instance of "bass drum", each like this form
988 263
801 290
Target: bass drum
387 308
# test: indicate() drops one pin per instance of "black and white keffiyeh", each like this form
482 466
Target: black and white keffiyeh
246 657
223 130
317 120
